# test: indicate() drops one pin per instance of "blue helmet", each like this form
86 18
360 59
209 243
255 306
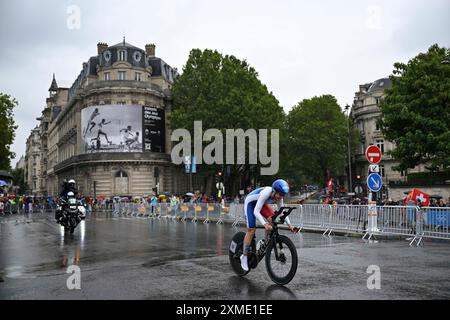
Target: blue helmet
280 186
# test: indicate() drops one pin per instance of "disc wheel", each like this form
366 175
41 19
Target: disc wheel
235 257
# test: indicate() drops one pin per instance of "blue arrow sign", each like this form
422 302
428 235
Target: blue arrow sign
374 182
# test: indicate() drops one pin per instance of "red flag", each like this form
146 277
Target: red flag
330 185
422 196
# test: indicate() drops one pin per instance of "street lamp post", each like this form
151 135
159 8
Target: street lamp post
347 108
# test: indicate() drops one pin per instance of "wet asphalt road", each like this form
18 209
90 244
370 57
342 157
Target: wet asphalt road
141 258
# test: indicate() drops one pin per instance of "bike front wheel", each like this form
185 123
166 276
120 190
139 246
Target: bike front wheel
282 266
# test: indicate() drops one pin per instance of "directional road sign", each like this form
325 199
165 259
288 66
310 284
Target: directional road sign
374 182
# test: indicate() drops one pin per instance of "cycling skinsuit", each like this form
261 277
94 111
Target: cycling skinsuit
257 205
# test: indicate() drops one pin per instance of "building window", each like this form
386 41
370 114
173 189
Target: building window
380 144
107 76
121 174
122 75
377 101
377 126
137 76
122 55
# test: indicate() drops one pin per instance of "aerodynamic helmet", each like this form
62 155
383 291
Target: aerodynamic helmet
281 186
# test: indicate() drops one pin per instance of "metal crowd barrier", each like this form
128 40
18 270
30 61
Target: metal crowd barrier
435 222
408 221
397 220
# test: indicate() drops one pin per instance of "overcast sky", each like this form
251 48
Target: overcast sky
299 48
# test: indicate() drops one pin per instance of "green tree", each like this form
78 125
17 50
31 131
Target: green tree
7 130
19 180
224 93
416 110
316 140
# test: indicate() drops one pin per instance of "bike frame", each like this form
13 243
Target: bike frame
273 236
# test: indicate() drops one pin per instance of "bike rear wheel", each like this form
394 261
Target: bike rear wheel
283 270
234 253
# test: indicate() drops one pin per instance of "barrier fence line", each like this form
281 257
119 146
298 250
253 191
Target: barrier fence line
407 221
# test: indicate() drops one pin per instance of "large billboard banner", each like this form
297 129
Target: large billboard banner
112 128
122 128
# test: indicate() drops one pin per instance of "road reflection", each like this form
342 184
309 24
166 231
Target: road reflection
247 288
71 245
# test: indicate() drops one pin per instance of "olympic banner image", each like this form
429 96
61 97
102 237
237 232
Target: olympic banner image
112 128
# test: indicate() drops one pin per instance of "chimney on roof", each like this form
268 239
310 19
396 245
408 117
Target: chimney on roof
150 50
101 46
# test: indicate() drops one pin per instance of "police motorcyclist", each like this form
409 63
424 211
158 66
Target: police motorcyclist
69 186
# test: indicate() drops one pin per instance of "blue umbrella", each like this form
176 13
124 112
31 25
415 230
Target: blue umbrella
3 183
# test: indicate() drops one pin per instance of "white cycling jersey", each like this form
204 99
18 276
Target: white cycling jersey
261 196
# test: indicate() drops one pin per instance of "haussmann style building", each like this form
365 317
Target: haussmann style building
365 113
109 130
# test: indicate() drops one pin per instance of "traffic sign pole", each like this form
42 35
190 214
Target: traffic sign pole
374 184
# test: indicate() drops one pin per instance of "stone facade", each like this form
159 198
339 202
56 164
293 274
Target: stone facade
119 75
33 166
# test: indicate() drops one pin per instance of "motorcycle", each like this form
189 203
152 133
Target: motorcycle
279 251
71 213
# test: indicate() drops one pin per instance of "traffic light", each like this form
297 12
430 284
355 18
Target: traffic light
219 176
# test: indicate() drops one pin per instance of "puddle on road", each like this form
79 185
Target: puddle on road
15 272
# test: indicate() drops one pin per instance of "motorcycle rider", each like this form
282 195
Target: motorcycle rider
69 186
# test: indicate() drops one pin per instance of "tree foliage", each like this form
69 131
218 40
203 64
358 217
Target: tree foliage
224 93
19 180
316 140
416 110
7 130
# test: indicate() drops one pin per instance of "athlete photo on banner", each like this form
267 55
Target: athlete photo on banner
112 128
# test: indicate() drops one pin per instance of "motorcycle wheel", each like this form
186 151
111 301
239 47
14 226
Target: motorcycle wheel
283 270
235 257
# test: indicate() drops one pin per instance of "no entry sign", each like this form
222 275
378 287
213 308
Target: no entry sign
373 154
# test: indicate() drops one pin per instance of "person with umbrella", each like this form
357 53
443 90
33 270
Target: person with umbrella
2 184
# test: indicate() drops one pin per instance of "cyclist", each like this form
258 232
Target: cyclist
257 206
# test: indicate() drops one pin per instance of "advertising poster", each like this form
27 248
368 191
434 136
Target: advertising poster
153 120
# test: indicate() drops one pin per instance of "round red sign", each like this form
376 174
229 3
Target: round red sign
373 154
